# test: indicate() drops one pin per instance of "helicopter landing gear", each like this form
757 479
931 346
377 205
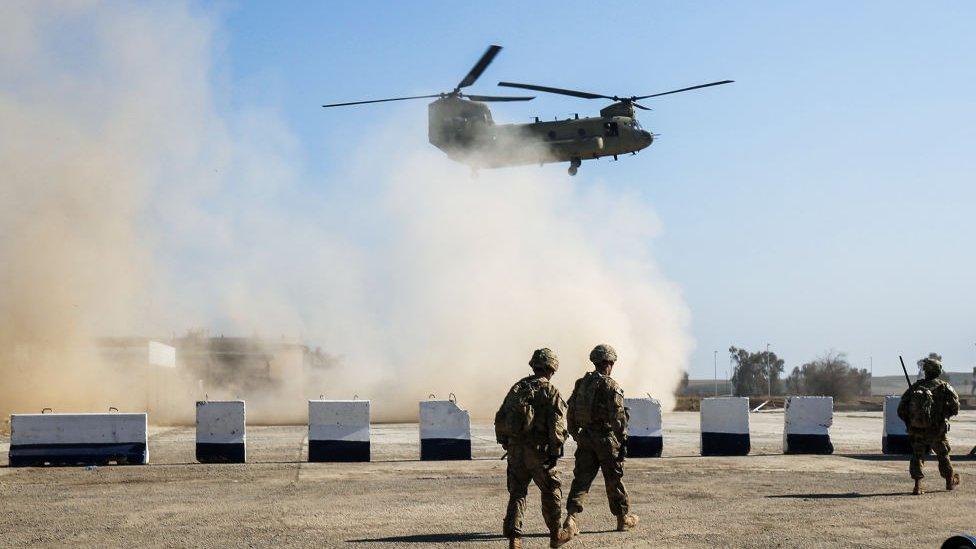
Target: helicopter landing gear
574 165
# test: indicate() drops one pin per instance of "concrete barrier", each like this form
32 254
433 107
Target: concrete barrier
78 439
644 429
221 431
725 426
807 423
894 437
445 431
338 430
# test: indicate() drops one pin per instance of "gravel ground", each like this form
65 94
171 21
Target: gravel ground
854 498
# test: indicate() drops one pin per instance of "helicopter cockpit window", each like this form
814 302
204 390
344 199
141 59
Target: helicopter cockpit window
610 129
636 124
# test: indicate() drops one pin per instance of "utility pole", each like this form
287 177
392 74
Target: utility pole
715 370
769 374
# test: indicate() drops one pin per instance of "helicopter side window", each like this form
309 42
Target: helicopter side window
610 129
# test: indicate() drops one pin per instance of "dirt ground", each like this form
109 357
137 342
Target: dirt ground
856 497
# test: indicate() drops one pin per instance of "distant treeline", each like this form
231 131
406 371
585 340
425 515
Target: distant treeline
760 373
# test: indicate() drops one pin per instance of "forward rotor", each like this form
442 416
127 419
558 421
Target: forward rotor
589 95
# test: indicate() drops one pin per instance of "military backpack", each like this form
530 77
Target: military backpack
584 401
921 409
516 417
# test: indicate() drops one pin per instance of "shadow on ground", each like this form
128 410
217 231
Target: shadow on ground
442 538
458 537
843 495
904 457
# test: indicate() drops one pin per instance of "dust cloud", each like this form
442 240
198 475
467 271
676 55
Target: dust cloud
133 202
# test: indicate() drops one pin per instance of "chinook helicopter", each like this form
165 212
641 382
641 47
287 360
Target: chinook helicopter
461 125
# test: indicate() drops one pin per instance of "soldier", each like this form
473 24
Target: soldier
598 423
926 408
531 427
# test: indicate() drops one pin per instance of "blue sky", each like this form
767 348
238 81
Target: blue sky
823 201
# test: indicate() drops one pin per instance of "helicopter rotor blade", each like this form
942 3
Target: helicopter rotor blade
561 91
498 98
383 100
639 106
479 67
685 89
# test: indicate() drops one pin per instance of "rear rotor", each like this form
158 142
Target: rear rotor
468 80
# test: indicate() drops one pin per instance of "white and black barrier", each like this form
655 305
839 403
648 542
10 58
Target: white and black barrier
338 430
644 428
445 431
725 426
78 439
221 431
807 425
894 437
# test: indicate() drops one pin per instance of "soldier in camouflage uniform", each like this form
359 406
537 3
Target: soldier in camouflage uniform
598 423
926 408
531 427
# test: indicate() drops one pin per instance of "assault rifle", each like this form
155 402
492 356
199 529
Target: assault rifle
903 369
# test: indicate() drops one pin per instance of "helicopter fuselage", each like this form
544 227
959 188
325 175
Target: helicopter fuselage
460 124
465 130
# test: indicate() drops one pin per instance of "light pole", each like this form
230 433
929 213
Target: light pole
972 386
715 370
871 381
769 374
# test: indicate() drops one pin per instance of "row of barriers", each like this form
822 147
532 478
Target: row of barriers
339 431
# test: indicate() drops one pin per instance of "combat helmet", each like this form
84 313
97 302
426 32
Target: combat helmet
931 365
603 353
544 359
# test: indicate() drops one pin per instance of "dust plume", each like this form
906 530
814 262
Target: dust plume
99 112
476 273
132 204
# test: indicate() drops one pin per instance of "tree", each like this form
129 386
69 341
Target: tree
751 372
830 375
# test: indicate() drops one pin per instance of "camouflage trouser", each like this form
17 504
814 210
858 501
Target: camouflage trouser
527 464
596 452
921 444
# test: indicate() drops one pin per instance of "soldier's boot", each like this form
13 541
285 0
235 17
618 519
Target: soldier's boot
952 481
918 487
559 537
627 522
514 543
571 525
